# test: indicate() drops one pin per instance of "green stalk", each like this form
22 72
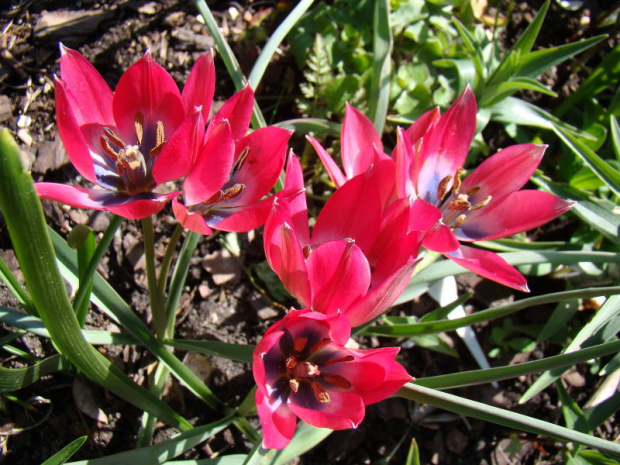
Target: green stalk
165 264
499 416
155 295
231 63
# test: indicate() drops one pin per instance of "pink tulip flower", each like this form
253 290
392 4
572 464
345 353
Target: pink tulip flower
303 369
226 189
359 257
131 141
487 204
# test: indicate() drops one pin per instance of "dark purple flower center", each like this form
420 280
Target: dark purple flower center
130 163
304 368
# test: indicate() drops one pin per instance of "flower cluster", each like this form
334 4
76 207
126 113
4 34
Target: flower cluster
147 143
146 133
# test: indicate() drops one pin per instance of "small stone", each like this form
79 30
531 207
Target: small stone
267 313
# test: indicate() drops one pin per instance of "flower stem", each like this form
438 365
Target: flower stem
155 295
165 264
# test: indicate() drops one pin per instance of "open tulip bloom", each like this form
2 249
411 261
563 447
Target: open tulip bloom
303 370
359 257
144 134
447 209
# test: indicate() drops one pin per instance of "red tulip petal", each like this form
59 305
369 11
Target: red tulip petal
238 111
96 199
505 172
192 221
277 420
147 88
422 125
514 213
339 275
294 196
212 168
445 146
200 86
285 254
241 219
71 135
352 212
403 157
358 133
334 172
180 152
426 218
489 265
89 95
345 410
265 153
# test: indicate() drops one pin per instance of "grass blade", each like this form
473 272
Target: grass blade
12 379
381 64
502 417
66 452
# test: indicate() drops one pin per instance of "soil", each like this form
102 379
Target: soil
222 300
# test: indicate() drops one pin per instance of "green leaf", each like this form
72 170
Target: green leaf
413 456
525 43
536 63
165 450
66 452
275 39
573 416
82 238
13 285
236 352
604 314
499 416
305 438
230 61
445 268
598 414
233 459
36 326
381 64
488 375
108 301
615 135
609 175
12 379
23 214
320 127
504 89
473 48
415 329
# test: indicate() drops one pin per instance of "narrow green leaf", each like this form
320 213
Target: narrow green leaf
275 39
233 459
24 217
66 452
82 238
573 416
615 135
598 414
604 76
230 61
12 379
381 64
305 438
536 63
13 285
165 450
608 311
609 175
525 43
504 89
236 352
413 456
472 46
509 419
488 375
415 329
108 301
445 268
598 213
35 325
320 127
